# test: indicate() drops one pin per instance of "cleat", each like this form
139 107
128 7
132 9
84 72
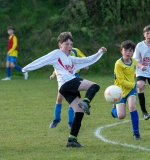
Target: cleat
146 116
137 137
6 79
85 106
113 108
69 125
73 143
25 75
54 123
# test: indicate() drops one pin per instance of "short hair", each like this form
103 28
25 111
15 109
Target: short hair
146 28
127 45
64 36
10 27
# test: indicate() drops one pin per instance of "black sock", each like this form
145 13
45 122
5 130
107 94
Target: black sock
91 93
76 124
142 102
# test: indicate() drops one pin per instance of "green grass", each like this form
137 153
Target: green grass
26 110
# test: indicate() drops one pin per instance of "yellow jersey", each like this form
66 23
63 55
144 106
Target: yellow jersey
12 46
124 75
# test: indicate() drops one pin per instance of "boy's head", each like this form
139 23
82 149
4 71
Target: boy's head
146 29
10 30
146 33
128 44
65 42
64 36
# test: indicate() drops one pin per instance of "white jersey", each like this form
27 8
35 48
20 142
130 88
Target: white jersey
142 55
65 66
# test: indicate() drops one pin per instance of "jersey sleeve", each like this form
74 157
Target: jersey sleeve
14 44
48 59
136 54
120 77
79 53
86 61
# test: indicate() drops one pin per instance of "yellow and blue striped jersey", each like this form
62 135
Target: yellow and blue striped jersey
124 75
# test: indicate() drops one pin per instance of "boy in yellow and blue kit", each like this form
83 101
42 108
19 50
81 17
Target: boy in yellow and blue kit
57 110
12 54
124 77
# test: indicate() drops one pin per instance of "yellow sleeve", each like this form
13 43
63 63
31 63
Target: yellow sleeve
80 54
54 72
120 77
14 44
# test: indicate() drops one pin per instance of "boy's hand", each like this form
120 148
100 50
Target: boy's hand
143 68
8 53
104 49
52 77
86 68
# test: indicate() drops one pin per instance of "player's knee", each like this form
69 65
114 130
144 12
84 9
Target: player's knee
96 87
121 116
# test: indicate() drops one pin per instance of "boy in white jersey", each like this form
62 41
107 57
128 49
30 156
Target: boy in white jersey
69 85
58 106
142 55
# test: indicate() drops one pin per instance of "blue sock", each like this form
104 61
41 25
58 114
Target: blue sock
114 112
18 68
70 114
57 111
135 121
8 71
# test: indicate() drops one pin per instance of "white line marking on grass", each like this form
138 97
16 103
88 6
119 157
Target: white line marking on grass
99 135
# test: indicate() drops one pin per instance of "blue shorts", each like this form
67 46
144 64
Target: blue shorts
131 93
11 59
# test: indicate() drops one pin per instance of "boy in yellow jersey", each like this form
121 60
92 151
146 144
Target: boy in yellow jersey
124 77
57 110
12 54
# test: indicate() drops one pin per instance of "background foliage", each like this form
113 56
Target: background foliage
93 23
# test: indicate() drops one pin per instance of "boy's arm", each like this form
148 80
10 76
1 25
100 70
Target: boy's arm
143 68
48 59
53 75
86 61
136 54
14 45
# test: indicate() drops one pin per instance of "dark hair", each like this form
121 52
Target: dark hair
64 36
146 28
10 27
127 45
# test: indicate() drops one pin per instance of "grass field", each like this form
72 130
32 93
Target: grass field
26 110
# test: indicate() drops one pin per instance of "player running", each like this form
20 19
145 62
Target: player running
124 74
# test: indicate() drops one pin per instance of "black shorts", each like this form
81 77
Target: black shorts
141 78
70 89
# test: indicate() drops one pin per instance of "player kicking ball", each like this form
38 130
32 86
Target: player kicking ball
69 85
124 74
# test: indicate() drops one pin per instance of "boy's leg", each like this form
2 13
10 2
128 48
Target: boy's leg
79 113
119 111
8 69
57 111
70 116
141 98
91 89
134 117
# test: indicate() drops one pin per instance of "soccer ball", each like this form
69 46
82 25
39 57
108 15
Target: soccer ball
113 94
